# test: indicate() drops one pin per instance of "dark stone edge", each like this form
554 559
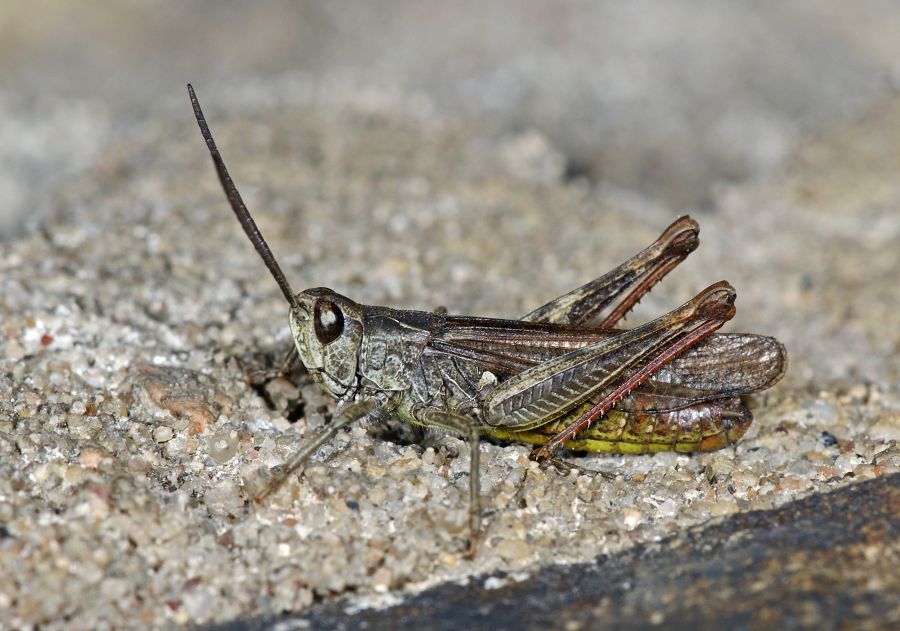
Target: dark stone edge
808 564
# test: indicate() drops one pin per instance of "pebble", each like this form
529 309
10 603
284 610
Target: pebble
162 433
14 351
91 458
631 518
381 579
887 427
223 445
513 550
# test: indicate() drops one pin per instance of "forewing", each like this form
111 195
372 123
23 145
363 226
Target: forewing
723 365
507 347
728 364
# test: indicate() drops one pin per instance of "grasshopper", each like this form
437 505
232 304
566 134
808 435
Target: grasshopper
558 378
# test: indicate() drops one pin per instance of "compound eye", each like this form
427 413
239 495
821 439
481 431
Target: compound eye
328 321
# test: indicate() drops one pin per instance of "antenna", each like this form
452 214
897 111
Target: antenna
238 206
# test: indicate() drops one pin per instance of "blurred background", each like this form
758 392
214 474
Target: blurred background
667 99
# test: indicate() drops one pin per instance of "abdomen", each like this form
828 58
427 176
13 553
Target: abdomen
704 426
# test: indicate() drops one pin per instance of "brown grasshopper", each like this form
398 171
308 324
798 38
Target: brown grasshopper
559 377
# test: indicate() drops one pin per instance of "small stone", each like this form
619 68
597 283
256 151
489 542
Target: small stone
848 462
91 457
14 351
224 498
115 588
162 433
381 580
632 518
887 427
282 390
74 474
186 394
448 559
32 399
175 446
667 508
223 446
512 550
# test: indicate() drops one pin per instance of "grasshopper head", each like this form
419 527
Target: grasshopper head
327 330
